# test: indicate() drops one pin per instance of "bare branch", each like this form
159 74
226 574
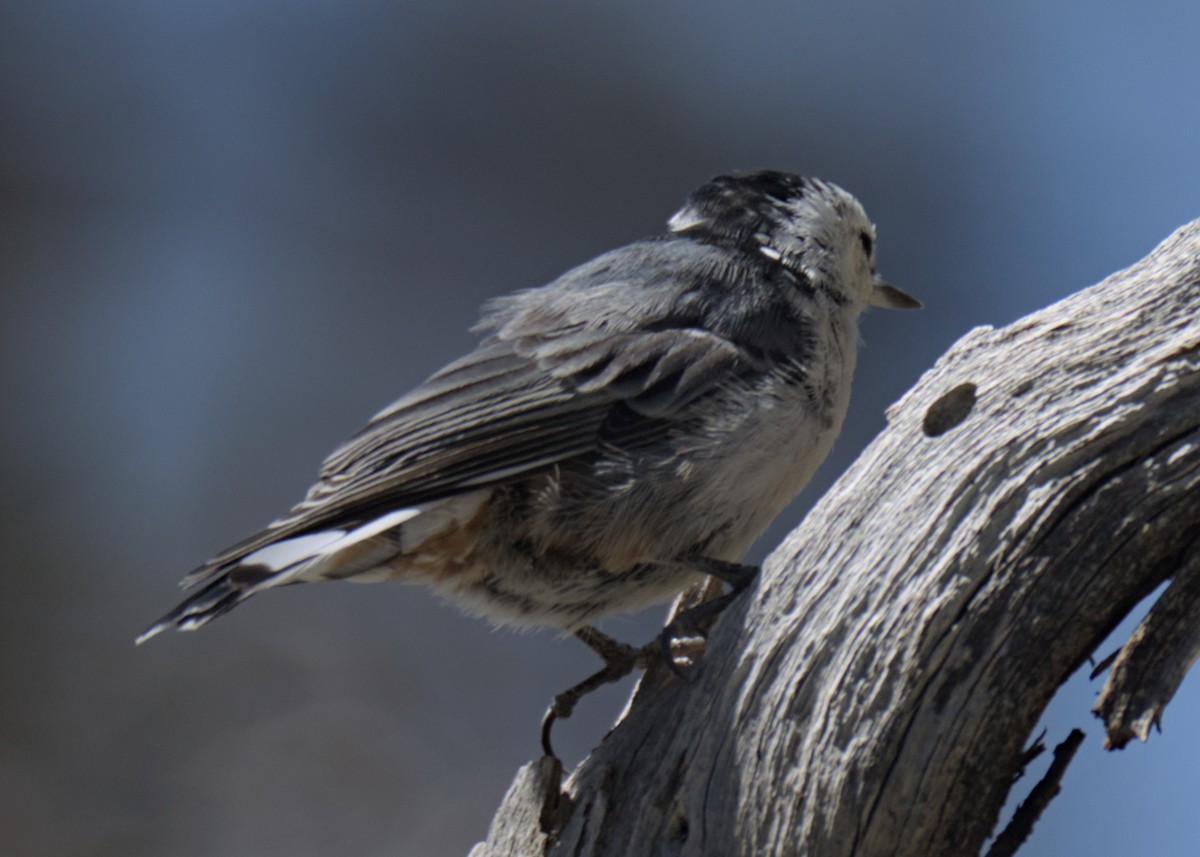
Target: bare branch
1151 665
874 692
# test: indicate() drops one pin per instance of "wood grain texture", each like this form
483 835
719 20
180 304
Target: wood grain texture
874 691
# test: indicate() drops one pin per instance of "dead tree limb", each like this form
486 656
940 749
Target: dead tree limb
874 692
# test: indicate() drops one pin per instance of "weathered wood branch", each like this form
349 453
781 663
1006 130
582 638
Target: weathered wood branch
874 692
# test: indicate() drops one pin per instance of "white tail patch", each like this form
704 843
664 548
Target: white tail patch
309 557
288 552
374 528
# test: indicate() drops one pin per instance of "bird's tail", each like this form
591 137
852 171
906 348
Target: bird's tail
326 555
219 596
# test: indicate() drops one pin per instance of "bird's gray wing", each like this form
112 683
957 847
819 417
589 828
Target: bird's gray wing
511 408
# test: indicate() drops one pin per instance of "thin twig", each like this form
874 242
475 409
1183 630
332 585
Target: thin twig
1031 809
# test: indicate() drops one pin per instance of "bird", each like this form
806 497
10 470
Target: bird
617 436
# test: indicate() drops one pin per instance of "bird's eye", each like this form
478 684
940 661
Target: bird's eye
866 242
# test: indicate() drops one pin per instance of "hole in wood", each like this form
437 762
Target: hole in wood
949 410
677 826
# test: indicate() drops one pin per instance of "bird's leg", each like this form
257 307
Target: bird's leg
619 661
694 621
737 574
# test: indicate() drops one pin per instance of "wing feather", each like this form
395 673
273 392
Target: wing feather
509 409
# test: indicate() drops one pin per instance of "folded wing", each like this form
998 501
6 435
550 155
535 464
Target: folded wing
513 407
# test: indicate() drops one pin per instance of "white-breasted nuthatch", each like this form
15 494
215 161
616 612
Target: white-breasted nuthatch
619 434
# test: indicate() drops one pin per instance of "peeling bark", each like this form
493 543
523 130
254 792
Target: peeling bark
873 692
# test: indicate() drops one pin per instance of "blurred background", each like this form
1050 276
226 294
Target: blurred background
232 231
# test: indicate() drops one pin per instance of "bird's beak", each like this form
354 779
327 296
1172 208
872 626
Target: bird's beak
889 297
